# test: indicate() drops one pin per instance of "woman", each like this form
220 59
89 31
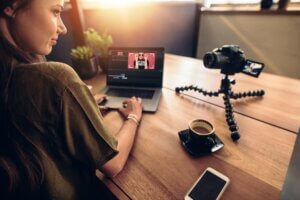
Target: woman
52 134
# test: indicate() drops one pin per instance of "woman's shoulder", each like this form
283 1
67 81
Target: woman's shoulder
57 71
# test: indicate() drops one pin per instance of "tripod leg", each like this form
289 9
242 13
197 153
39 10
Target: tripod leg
200 90
230 119
239 95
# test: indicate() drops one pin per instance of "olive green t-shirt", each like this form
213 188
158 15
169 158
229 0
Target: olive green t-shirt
54 110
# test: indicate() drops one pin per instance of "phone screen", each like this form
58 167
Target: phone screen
208 187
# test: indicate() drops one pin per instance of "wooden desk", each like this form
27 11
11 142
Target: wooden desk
280 106
159 167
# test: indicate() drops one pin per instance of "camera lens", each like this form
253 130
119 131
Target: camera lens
209 60
215 60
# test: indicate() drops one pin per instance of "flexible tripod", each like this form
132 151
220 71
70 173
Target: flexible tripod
228 93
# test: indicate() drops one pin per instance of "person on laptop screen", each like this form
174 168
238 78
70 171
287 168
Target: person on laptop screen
141 61
53 137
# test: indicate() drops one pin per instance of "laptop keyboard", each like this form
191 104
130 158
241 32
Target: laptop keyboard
144 94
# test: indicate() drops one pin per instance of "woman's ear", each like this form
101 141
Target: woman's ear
9 11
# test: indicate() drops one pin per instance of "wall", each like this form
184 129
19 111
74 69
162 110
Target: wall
270 37
169 25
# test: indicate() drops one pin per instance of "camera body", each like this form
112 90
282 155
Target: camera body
231 59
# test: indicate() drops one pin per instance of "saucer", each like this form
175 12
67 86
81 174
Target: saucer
196 150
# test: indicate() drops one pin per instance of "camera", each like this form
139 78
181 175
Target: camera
231 59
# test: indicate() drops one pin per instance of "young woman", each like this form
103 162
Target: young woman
52 135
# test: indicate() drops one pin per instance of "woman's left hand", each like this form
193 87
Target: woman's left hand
100 98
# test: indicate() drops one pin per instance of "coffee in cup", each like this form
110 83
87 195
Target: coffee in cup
201 130
201 127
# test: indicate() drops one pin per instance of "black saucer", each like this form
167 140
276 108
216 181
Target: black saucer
196 149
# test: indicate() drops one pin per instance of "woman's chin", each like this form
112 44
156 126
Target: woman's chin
46 51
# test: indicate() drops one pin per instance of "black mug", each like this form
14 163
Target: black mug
201 136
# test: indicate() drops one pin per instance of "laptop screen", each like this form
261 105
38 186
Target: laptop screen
142 67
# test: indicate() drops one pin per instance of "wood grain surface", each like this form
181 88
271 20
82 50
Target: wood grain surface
160 168
280 106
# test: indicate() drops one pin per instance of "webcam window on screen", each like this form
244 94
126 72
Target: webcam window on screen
135 67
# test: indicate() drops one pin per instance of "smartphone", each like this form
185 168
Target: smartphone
209 186
253 68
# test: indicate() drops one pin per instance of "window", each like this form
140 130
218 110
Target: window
207 2
120 3
238 1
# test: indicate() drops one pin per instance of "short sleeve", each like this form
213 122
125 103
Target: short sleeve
86 137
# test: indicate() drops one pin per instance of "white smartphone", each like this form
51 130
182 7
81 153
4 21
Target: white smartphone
209 186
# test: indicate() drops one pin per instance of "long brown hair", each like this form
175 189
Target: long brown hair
21 169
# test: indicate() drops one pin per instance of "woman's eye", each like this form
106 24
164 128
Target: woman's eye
56 12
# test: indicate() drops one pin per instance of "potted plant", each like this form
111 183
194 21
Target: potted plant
85 63
99 43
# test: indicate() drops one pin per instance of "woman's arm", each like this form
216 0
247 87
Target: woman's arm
125 141
125 136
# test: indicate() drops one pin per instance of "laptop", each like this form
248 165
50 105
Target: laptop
134 71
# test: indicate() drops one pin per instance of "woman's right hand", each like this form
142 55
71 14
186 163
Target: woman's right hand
125 136
132 106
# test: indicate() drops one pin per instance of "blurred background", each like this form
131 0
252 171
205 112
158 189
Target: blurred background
267 31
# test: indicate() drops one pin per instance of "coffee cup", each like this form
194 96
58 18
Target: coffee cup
201 135
200 138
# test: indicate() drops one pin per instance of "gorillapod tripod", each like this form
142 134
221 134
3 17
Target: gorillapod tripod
228 94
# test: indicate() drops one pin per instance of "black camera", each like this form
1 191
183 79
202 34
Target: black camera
230 59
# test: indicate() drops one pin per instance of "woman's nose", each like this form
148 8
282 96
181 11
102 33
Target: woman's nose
61 27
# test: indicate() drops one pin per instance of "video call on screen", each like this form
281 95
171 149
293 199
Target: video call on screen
136 67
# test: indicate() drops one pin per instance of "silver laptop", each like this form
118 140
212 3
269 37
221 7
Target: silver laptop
134 72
